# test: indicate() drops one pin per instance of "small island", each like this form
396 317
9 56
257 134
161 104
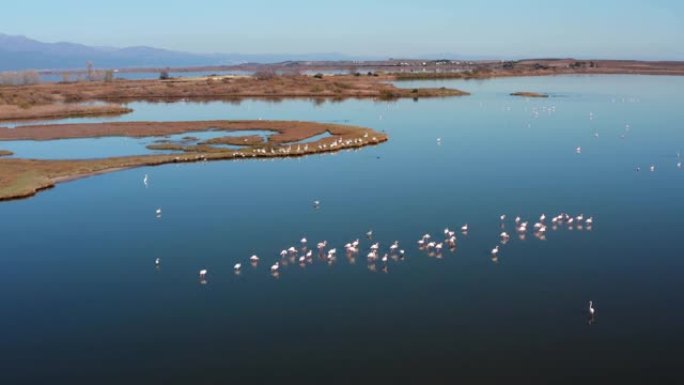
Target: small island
6 153
529 94
21 178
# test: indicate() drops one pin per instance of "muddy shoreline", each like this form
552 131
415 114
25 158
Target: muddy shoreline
22 178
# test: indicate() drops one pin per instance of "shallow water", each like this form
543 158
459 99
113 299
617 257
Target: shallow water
106 147
83 302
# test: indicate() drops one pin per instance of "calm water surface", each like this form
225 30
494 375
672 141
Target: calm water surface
82 301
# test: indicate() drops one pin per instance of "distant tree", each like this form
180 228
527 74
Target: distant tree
265 74
30 77
108 76
91 71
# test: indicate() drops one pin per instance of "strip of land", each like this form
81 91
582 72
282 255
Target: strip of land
60 110
529 94
21 178
55 100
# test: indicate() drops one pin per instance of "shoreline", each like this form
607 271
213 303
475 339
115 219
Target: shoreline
55 100
24 178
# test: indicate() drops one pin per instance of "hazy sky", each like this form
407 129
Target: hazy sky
516 28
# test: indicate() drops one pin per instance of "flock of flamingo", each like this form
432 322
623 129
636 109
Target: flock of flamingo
432 246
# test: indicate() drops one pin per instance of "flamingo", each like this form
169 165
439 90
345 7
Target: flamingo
157 262
303 241
589 221
275 267
145 180
202 273
591 309
464 228
237 266
369 234
578 150
158 213
254 259
495 250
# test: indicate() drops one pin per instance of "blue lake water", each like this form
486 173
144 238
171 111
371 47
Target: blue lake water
82 300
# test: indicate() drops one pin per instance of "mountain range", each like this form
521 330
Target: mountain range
22 53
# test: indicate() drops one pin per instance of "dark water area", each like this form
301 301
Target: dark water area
83 302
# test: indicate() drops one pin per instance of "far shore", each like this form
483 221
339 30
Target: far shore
60 100
361 80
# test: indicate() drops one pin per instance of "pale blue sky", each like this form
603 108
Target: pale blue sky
519 28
